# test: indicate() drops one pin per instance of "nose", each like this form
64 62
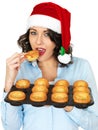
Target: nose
39 39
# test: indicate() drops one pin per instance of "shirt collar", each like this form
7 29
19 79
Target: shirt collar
34 63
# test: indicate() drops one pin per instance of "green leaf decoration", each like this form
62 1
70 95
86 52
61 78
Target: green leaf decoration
62 50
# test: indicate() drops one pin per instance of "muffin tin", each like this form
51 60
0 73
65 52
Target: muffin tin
27 100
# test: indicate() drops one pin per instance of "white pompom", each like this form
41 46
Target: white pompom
65 59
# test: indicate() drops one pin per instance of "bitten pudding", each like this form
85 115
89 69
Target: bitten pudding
32 55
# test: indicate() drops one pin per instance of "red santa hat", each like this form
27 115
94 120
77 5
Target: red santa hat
54 17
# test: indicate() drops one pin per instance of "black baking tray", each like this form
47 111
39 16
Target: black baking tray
48 101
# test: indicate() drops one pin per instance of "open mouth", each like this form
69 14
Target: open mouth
41 51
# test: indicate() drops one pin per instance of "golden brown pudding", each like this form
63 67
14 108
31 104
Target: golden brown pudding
80 83
22 83
32 55
59 97
16 95
41 81
62 82
81 97
40 88
81 89
60 89
38 96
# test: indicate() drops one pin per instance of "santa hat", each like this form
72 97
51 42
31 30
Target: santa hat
54 17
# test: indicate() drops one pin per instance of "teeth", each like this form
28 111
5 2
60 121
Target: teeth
40 49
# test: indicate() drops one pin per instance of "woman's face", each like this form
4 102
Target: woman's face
39 40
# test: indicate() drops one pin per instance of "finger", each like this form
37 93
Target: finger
22 57
14 66
15 55
14 61
21 60
12 57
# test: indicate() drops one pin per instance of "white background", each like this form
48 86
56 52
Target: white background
84 29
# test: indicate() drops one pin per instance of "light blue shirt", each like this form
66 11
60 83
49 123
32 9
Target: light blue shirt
50 117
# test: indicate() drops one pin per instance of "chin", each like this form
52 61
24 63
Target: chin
40 59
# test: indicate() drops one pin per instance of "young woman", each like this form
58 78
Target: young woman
48 31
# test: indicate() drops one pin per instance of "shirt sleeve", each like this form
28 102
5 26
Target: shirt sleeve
87 118
84 118
11 116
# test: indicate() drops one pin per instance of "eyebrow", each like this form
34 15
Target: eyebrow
32 29
36 30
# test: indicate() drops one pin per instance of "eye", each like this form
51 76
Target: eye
46 34
33 33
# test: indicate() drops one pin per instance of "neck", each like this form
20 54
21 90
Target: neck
49 63
49 69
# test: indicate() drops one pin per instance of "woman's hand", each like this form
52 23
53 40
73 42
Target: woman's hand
12 66
68 108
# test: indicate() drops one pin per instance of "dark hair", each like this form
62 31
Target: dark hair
23 42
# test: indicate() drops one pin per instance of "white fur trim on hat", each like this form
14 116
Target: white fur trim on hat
44 21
